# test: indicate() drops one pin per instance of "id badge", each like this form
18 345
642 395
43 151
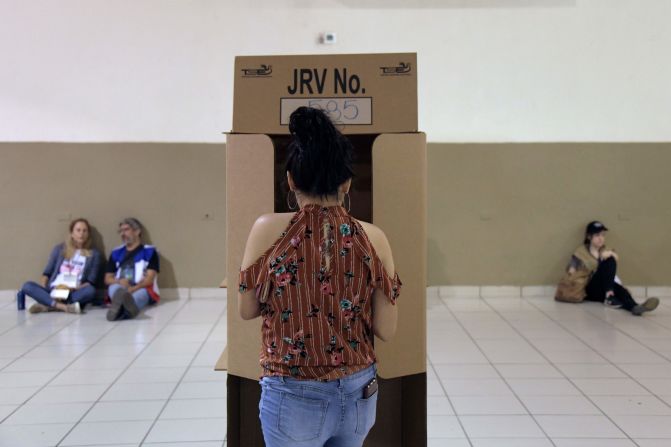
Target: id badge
70 280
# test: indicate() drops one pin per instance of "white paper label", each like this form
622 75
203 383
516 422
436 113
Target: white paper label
60 294
348 111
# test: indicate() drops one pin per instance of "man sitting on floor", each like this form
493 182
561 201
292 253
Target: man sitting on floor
131 274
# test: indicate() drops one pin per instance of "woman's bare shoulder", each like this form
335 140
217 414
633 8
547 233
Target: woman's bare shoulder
379 241
272 220
270 226
371 230
264 233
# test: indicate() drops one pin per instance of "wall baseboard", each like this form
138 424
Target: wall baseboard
167 293
431 292
638 292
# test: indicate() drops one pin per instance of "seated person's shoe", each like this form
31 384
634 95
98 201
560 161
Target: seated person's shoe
117 302
131 307
74 308
613 302
37 308
647 306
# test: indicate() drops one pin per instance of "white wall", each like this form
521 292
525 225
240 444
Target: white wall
489 70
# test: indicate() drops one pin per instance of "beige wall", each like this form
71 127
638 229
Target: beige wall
498 213
513 213
169 187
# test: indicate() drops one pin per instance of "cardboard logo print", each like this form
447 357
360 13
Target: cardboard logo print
264 71
402 69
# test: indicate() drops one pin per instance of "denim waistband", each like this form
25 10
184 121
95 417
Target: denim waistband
367 371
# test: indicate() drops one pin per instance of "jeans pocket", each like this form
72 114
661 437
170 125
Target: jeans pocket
365 414
301 418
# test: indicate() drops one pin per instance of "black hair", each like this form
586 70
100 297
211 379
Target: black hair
592 228
320 157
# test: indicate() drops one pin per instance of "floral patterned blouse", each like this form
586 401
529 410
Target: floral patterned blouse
315 285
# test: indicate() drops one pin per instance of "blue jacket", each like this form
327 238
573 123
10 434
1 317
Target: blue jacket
91 268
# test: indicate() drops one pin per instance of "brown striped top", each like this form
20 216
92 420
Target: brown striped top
315 285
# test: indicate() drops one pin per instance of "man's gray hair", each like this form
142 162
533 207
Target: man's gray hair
131 222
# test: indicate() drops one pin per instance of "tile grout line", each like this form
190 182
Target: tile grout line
559 370
59 373
654 322
607 361
611 363
214 325
117 323
498 372
450 402
47 337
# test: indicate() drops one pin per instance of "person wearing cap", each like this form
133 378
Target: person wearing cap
131 274
599 264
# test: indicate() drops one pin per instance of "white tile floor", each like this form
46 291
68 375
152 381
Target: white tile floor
502 372
533 372
78 380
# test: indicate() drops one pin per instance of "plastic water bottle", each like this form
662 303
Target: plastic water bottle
20 300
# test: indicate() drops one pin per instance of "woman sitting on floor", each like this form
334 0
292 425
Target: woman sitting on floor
591 275
68 280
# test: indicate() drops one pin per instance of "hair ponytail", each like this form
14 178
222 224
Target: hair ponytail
320 157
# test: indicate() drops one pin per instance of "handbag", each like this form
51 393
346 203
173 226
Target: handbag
571 288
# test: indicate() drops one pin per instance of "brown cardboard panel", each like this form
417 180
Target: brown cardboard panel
365 93
249 194
399 209
222 361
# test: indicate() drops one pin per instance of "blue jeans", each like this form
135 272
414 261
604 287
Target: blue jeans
43 295
141 296
308 413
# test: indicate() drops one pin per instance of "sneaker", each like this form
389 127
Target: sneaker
74 308
647 306
131 307
613 302
37 308
115 308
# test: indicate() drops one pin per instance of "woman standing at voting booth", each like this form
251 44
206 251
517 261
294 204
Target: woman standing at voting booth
323 289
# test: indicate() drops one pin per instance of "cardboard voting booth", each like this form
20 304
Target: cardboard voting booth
372 98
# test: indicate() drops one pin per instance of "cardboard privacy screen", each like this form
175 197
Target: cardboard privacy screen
373 98
372 94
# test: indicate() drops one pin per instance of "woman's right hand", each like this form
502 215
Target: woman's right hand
607 254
